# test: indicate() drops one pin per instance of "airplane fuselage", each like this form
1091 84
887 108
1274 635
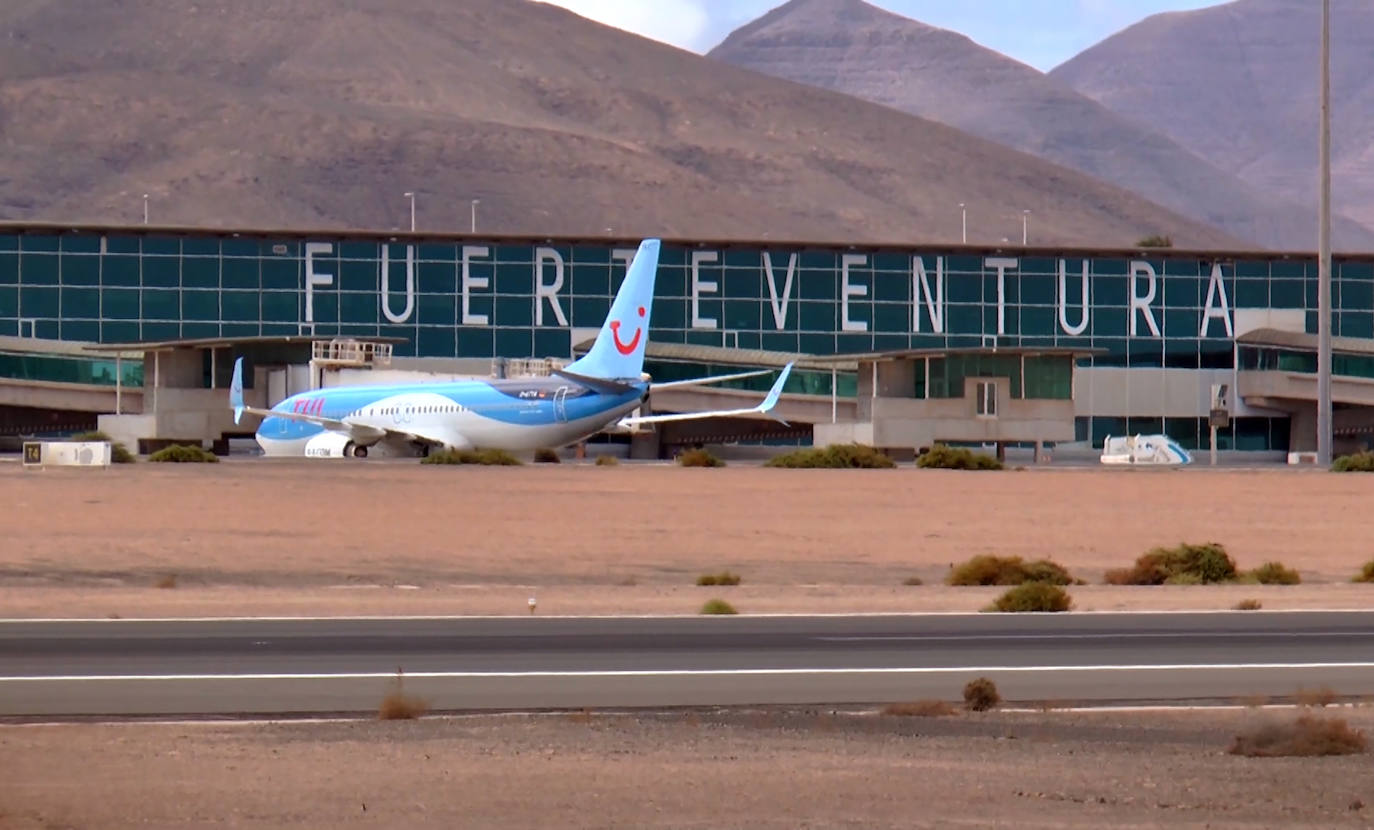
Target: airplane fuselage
510 414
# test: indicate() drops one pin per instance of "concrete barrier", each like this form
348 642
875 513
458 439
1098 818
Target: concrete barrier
1302 458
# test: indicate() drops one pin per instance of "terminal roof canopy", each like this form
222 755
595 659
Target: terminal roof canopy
1304 342
226 342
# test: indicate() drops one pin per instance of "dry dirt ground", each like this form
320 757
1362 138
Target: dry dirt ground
766 769
256 537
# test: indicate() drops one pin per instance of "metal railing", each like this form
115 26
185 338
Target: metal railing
350 352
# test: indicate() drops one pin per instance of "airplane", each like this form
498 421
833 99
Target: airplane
592 394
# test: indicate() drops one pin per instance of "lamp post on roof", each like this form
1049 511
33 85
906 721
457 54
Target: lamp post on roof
411 197
475 203
145 208
963 222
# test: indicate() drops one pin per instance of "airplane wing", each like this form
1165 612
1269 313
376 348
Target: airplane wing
670 384
763 408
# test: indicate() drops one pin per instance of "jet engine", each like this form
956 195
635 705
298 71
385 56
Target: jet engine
333 445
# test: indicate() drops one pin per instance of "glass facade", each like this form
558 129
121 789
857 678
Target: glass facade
69 369
459 297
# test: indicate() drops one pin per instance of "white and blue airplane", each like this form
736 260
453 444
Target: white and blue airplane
592 394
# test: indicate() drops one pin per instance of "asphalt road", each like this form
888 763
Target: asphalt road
263 667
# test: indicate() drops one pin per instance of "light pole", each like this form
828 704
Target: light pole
1025 227
145 208
475 203
963 222
411 197
1324 252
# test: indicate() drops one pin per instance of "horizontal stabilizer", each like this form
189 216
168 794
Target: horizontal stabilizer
602 385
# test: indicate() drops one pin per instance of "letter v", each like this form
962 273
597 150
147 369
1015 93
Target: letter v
779 308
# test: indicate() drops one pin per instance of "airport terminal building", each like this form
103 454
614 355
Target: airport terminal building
1156 328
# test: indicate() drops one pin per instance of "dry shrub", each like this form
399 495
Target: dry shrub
1248 605
544 455
1366 573
397 705
1360 462
1273 573
699 458
1307 736
184 454
941 457
722 578
986 569
920 709
485 458
168 581
913 580
833 457
718 606
981 695
1033 597
1324 696
606 461
1184 565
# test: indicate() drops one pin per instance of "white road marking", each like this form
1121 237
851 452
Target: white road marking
1183 635
684 672
1365 611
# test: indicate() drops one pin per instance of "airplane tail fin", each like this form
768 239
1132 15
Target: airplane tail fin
618 353
236 390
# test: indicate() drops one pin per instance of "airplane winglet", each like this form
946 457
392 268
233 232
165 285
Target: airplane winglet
236 390
774 393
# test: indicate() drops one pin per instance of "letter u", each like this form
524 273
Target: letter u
385 288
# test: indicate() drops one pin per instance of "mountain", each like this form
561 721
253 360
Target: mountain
323 113
852 47
1239 85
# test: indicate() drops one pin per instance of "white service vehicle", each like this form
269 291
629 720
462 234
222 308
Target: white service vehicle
1144 451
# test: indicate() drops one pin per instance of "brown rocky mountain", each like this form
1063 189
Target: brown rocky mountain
315 113
853 47
1239 84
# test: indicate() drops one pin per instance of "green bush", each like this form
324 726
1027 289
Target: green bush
1156 241
1360 462
1273 573
1033 597
986 569
833 457
981 694
544 455
119 454
1366 574
718 606
606 461
722 578
941 457
184 454
1184 565
699 458
486 458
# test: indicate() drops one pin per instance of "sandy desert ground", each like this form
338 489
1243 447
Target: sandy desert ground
765 769
247 536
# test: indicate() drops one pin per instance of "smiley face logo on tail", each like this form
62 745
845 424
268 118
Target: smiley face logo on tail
626 348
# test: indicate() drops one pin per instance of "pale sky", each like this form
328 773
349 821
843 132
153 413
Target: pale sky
1042 33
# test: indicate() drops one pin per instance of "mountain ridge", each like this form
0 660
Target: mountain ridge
853 47
306 114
